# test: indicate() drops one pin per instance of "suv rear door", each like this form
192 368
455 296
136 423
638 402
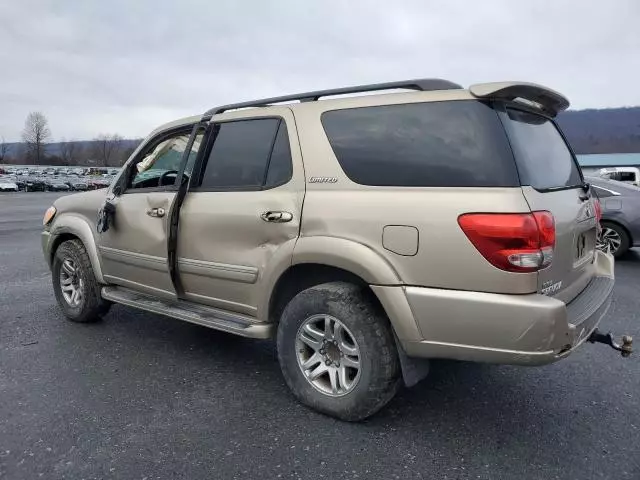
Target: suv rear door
552 182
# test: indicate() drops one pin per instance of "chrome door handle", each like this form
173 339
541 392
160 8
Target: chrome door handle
277 217
156 212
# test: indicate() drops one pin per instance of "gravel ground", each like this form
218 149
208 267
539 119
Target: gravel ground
143 396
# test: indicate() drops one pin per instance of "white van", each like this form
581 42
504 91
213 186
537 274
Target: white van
622 174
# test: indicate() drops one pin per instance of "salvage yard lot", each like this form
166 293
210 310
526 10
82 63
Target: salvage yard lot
140 395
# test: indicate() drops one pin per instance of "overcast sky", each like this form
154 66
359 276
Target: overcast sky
127 66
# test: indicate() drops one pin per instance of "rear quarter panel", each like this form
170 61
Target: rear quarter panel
445 258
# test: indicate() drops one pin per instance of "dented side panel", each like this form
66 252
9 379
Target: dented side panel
134 249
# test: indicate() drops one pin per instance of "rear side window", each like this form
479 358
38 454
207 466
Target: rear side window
543 157
280 168
248 154
436 144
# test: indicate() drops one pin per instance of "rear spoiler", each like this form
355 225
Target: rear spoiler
537 96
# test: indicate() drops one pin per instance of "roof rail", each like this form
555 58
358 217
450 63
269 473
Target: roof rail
421 84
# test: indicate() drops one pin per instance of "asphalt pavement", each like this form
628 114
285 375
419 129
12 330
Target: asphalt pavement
141 396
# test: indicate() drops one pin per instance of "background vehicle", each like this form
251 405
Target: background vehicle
620 203
622 174
8 185
77 185
55 185
34 184
439 223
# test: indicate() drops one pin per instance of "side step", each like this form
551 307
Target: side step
190 312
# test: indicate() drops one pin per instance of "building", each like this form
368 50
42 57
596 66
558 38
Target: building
594 162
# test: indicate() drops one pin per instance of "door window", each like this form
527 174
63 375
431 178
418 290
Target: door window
159 163
248 155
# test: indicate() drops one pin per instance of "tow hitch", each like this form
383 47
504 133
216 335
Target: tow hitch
625 349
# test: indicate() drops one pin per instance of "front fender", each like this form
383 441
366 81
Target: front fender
70 224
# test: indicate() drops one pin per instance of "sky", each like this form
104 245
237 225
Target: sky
96 67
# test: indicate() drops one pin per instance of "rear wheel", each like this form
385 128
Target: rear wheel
337 352
75 285
614 238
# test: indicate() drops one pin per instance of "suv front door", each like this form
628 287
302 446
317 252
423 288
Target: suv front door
134 249
240 221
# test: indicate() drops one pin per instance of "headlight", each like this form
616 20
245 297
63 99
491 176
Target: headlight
48 215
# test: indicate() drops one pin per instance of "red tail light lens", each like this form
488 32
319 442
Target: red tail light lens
515 242
598 209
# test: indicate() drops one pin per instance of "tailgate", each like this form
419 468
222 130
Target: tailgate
574 252
551 181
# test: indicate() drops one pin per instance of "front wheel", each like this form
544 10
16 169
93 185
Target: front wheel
75 285
337 352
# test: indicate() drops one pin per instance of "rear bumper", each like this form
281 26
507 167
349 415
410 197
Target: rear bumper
510 329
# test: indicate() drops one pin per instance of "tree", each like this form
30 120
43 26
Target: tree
35 135
4 150
69 152
106 149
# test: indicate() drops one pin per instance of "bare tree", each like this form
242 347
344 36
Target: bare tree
69 151
4 150
35 135
106 148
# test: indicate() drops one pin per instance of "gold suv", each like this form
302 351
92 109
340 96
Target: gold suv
367 233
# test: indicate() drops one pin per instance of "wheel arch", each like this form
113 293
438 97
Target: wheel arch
68 227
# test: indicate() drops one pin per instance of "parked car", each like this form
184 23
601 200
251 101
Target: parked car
54 185
97 183
440 223
620 215
77 185
34 184
8 185
629 175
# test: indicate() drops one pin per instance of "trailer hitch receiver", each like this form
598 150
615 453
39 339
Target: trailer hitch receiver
625 348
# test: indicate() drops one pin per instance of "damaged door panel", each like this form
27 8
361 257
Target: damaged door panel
134 246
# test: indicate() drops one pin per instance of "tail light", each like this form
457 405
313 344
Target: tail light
515 242
598 209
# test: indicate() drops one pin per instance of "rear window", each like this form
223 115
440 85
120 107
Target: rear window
543 157
437 144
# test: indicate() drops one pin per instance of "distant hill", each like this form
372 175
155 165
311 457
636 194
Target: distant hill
610 130
55 148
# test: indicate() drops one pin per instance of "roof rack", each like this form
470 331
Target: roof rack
421 84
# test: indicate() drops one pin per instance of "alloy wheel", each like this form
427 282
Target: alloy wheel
328 355
609 240
71 283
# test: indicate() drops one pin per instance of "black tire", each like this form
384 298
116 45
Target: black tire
92 306
380 367
625 241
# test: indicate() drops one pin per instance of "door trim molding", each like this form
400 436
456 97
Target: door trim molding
224 271
142 260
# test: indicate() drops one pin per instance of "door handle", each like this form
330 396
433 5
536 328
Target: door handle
277 217
156 212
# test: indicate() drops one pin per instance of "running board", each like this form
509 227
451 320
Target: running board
190 312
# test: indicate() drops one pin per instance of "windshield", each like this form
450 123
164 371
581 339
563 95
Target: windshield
543 158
